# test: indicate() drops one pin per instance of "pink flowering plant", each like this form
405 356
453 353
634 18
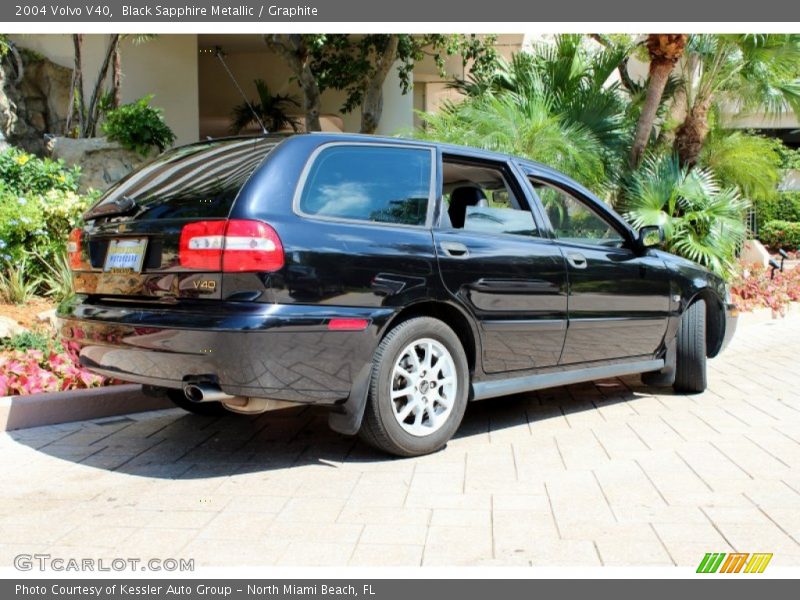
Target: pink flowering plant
33 371
754 287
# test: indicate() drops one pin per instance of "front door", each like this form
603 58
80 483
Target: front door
618 297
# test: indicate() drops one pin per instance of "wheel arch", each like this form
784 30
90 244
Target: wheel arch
452 316
346 417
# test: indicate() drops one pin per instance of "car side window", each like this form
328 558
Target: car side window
369 183
574 220
478 197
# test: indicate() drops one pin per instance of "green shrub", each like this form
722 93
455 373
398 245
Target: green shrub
38 224
790 157
783 207
781 234
22 173
138 127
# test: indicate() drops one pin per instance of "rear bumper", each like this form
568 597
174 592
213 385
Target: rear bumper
282 352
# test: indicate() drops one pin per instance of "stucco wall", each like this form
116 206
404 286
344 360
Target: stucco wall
165 66
218 94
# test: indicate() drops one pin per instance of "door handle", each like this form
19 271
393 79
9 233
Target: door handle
577 260
455 249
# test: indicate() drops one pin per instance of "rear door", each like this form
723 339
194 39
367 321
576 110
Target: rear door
494 260
131 246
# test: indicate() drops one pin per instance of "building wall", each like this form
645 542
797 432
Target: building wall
249 60
165 66
219 95
431 90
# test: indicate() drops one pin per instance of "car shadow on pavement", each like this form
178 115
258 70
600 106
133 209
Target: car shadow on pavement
171 444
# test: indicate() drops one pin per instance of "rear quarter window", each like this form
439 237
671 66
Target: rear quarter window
369 183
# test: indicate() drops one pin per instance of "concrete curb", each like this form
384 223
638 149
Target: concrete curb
764 315
22 412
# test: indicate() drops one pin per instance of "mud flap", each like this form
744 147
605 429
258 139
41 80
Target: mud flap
346 418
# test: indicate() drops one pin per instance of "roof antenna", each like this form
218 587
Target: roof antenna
219 54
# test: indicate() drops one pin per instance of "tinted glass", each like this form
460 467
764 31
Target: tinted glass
197 181
573 220
369 183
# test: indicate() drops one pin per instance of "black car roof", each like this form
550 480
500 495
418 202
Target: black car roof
326 137
445 147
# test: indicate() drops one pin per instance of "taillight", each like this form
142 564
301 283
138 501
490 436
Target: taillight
200 246
74 249
230 246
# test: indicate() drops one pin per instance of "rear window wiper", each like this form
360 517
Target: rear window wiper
119 206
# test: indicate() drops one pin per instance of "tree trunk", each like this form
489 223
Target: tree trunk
294 50
665 50
659 76
76 101
679 109
372 105
116 77
93 109
691 135
311 99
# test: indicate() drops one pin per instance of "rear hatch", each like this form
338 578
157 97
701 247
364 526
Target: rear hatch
162 233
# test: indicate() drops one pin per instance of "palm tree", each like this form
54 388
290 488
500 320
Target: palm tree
270 108
749 71
665 50
702 221
525 124
576 77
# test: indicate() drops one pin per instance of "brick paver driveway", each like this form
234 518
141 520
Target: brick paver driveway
598 474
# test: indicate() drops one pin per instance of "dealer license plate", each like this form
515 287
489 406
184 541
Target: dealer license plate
125 255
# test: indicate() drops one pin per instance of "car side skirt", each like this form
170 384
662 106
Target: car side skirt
483 390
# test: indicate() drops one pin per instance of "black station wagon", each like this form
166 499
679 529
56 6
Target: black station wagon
390 280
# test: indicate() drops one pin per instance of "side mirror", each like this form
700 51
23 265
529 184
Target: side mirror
650 236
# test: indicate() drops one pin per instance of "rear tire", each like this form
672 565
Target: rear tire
418 389
690 371
206 409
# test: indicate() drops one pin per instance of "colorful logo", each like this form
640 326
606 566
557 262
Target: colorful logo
736 562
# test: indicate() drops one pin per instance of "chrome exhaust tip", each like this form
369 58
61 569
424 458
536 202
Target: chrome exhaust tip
204 392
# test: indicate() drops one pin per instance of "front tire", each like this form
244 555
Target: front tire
418 390
690 370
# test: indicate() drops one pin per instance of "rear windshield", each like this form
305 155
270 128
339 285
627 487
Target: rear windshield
197 181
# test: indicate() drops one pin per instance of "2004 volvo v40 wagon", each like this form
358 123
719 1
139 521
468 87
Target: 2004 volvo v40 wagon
391 280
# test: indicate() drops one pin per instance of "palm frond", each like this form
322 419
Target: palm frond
702 220
744 160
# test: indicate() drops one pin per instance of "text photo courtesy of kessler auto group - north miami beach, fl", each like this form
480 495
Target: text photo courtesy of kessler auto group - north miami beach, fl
344 299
